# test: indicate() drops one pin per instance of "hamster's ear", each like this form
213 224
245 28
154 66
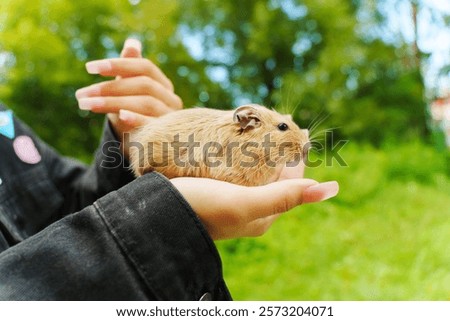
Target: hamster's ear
247 117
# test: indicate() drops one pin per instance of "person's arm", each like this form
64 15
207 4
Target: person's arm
139 88
79 184
38 186
144 241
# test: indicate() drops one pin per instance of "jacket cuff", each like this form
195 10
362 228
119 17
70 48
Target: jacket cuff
113 169
164 240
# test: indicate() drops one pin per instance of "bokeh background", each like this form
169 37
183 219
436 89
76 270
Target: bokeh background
370 78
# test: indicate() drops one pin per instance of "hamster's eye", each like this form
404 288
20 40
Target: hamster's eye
283 126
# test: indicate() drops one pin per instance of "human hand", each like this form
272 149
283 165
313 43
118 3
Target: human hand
139 90
230 211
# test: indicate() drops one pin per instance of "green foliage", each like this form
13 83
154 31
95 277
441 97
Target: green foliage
251 40
310 57
306 57
45 44
384 237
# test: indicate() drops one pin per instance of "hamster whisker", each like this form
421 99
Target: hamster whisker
316 117
288 99
286 106
295 109
322 132
316 145
317 121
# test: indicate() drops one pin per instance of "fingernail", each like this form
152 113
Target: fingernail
87 92
90 103
126 116
320 192
98 66
130 42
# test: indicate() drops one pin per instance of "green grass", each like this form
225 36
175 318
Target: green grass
385 237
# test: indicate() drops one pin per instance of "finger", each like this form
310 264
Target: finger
132 48
276 174
135 86
144 105
292 170
260 226
320 192
128 67
281 196
133 120
288 171
126 121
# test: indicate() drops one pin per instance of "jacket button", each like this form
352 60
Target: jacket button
206 297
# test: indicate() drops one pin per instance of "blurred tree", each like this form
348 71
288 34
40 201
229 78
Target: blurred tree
316 55
248 46
311 56
45 44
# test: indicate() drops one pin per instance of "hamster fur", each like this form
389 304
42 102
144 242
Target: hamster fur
244 146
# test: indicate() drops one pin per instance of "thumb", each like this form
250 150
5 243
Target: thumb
132 48
281 196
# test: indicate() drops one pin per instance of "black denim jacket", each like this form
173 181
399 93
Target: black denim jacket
140 242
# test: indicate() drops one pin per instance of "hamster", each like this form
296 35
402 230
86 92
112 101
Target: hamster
244 146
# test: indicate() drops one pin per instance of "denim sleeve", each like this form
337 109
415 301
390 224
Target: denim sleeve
141 242
34 194
81 185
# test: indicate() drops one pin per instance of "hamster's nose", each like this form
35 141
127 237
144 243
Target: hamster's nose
305 132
